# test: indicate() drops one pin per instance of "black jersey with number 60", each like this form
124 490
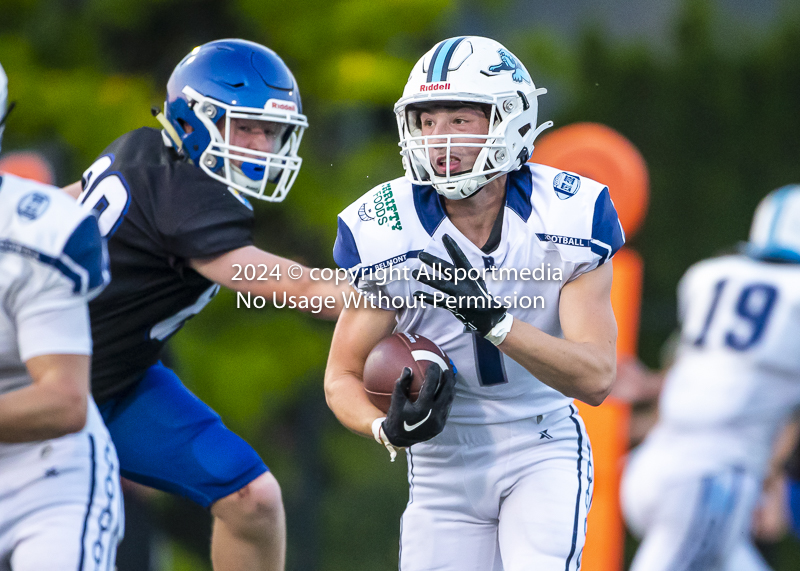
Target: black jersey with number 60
158 212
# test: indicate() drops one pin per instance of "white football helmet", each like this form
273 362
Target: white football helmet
3 98
472 70
775 233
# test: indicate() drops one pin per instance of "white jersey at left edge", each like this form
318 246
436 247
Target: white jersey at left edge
60 500
46 269
556 226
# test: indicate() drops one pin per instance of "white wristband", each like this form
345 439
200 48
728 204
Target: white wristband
498 333
380 437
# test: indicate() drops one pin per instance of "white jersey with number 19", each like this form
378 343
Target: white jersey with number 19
737 375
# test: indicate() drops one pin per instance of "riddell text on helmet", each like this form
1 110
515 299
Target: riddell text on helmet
434 86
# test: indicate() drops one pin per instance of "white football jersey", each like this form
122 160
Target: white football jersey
51 262
736 378
556 226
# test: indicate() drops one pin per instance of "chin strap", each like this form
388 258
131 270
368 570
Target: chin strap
380 437
168 129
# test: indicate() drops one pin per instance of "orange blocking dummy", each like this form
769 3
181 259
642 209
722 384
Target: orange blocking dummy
28 165
602 154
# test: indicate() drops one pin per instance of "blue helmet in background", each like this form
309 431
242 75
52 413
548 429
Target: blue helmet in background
226 80
775 233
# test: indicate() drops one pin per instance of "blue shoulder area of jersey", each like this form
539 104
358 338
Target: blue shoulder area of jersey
607 233
47 216
430 210
428 204
86 249
518 192
345 251
83 260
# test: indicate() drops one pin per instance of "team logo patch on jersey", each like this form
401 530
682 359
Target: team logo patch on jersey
566 185
366 212
508 63
33 205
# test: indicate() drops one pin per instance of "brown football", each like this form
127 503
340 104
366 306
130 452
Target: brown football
387 359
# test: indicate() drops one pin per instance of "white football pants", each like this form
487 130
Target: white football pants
501 497
61 502
691 523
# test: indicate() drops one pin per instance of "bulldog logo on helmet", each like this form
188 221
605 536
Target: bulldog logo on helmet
508 63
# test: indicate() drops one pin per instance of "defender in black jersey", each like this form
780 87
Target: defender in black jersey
173 206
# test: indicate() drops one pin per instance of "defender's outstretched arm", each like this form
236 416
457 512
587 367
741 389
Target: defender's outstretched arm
222 271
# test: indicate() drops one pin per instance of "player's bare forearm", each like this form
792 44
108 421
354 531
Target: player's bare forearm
347 400
276 279
74 189
357 332
583 371
785 444
583 364
53 406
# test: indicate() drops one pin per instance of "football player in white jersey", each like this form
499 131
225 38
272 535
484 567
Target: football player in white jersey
60 500
506 483
691 488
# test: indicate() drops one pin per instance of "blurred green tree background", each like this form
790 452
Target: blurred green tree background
716 114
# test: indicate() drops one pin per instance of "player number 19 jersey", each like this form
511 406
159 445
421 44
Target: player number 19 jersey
737 374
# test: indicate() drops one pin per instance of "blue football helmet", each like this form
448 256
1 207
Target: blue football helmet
775 233
226 80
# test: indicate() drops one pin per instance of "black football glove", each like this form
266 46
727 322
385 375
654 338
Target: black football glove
409 422
475 307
